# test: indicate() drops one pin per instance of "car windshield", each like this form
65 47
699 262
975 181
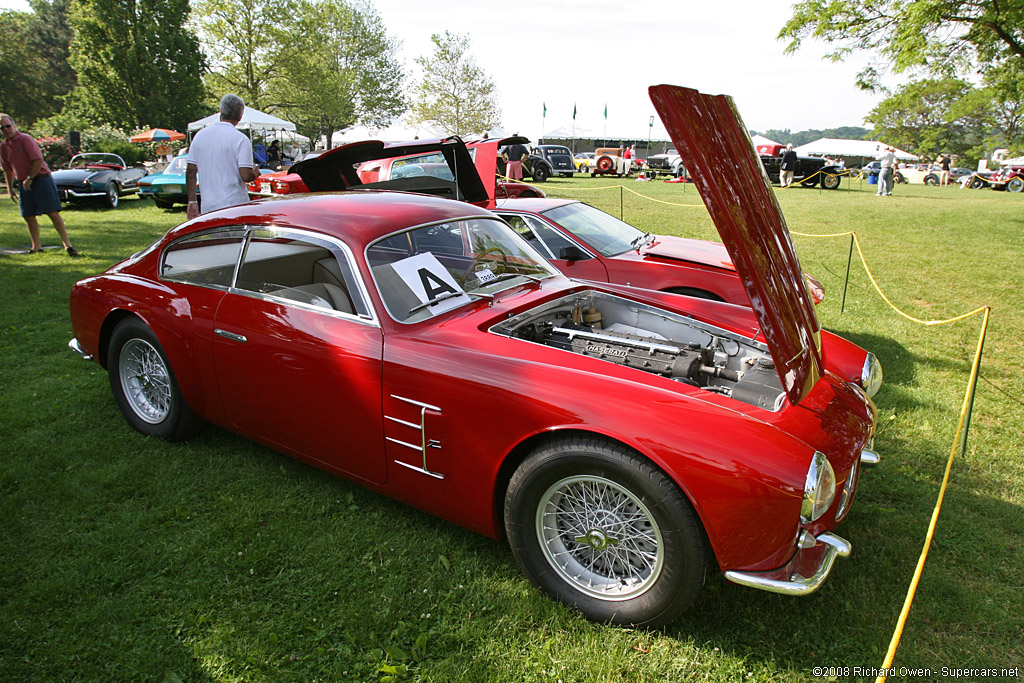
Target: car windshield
605 233
177 165
426 271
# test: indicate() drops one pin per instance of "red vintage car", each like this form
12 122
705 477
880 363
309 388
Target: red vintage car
588 244
280 182
429 160
624 441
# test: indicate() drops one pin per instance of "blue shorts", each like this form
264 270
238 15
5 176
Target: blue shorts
41 199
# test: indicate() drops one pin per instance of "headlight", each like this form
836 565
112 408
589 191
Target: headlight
819 488
871 375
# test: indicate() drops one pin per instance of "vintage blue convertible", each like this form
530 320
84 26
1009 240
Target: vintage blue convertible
97 175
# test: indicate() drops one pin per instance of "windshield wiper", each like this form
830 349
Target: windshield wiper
436 300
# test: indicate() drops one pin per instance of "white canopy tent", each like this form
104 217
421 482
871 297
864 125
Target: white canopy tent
252 119
850 149
396 132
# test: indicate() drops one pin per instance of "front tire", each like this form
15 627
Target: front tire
598 527
830 181
113 195
1015 185
144 385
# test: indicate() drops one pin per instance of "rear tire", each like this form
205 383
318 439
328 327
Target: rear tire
144 385
597 526
540 173
1015 184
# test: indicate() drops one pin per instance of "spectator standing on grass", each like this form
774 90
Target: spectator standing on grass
221 158
788 166
888 160
944 165
627 158
22 161
514 156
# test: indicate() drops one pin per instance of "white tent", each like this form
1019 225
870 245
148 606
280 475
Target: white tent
850 149
396 132
252 119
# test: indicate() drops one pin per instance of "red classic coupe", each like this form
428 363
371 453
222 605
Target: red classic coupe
624 441
588 244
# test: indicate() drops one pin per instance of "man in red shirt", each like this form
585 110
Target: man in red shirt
23 161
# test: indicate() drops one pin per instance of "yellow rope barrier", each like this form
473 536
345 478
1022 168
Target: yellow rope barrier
878 289
912 590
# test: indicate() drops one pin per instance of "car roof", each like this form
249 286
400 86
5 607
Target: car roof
357 217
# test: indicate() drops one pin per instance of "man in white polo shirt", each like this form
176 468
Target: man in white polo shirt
221 157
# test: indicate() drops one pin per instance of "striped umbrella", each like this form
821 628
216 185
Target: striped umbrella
157 135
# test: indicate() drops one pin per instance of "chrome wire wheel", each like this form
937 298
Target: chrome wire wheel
599 537
145 381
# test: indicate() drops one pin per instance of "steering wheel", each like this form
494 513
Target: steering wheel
481 258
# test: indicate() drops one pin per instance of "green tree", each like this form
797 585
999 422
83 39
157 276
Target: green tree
137 63
246 43
940 37
922 117
35 73
346 73
999 103
454 93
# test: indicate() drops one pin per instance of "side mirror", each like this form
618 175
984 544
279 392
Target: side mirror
571 253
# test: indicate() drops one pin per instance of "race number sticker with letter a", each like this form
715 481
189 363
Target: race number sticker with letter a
431 282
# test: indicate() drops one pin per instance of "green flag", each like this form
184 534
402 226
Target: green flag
605 111
545 108
573 111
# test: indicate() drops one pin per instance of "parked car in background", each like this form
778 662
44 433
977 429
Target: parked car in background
431 161
583 161
558 157
810 171
588 244
167 188
606 162
1009 178
921 173
280 182
666 163
422 348
97 175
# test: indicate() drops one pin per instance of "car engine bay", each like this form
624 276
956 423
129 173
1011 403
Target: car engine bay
624 332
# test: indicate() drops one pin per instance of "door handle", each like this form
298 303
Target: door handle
230 335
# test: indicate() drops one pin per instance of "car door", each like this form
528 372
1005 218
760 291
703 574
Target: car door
569 256
297 352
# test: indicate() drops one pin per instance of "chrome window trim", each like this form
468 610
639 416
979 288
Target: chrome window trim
222 228
372 319
248 229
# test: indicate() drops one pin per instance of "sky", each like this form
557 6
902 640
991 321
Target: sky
589 54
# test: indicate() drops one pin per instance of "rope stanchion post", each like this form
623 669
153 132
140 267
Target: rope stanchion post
846 282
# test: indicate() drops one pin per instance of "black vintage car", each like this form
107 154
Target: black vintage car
97 175
810 171
544 161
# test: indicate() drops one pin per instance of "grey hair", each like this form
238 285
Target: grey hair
231 107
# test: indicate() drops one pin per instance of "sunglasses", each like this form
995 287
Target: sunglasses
7 125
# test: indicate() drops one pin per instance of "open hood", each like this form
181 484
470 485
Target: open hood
336 169
716 149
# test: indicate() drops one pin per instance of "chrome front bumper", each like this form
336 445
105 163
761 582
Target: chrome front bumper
816 560
77 348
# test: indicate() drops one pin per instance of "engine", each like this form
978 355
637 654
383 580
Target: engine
653 340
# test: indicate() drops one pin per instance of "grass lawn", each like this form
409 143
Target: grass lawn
127 559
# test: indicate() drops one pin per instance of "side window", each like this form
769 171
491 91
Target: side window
301 268
207 259
541 236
